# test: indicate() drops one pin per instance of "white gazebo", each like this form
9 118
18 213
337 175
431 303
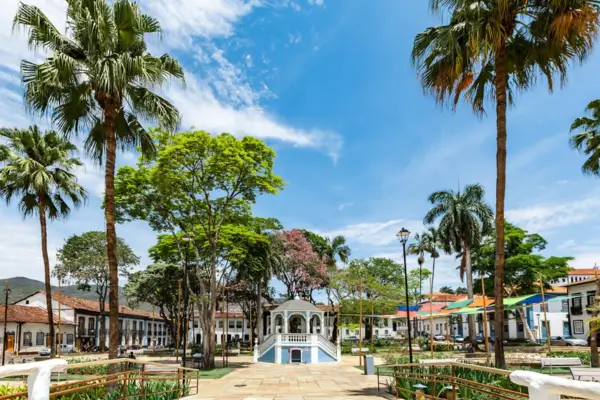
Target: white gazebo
297 336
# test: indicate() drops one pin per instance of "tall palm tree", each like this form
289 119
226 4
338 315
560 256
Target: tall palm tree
334 249
418 247
488 50
36 170
588 141
464 217
431 242
96 81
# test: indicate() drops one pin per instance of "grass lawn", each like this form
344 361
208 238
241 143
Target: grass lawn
215 373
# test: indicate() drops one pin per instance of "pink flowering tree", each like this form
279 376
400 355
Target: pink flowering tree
301 270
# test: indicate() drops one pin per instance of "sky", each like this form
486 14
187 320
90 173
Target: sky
329 84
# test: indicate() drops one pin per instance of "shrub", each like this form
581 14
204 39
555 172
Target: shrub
6 390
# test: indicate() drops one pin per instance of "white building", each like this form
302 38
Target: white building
137 327
581 296
577 275
28 332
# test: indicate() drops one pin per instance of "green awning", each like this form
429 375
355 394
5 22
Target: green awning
468 310
459 304
511 301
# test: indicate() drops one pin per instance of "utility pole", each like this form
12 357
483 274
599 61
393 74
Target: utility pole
178 323
250 312
4 340
360 338
58 346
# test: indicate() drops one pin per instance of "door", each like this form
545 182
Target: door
566 329
10 342
296 356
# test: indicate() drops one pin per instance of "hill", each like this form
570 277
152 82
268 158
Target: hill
22 287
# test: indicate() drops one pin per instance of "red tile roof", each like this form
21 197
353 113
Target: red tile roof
93 306
584 271
35 315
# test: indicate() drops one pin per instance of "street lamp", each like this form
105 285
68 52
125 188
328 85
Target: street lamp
402 236
186 238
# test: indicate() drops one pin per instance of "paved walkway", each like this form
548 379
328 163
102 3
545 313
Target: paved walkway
264 381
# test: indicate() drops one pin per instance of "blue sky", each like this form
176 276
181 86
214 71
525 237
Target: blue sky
329 84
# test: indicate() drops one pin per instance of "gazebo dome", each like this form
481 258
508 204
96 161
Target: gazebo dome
297 305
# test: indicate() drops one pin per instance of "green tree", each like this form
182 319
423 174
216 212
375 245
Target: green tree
447 290
490 49
464 217
83 259
201 185
418 247
588 140
157 285
36 170
96 81
461 290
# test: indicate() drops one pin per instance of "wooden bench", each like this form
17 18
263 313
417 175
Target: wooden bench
232 352
588 374
58 375
550 362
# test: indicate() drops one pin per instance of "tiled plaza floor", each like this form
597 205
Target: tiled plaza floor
264 381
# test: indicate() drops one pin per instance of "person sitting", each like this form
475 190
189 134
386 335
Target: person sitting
131 355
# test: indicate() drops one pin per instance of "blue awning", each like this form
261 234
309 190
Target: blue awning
410 308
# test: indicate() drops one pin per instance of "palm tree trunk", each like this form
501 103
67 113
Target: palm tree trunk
48 287
593 327
111 233
470 317
259 325
501 81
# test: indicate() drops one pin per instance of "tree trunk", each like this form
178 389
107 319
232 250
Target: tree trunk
468 272
111 233
48 287
500 82
593 328
259 327
530 336
210 344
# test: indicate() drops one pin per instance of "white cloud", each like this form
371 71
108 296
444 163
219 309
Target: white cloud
567 244
345 205
374 233
294 38
316 2
562 182
91 177
201 108
547 216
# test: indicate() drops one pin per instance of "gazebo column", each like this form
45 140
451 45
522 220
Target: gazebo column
285 322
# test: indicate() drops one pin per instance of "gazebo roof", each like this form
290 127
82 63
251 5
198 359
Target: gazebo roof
297 305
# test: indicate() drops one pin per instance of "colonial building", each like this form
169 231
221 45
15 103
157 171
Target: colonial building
581 297
28 332
577 275
136 327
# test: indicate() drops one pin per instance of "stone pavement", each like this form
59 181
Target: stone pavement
263 381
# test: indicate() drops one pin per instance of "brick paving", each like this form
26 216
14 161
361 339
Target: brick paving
263 381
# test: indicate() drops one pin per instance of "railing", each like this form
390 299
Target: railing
443 380
330 347
125 379
544 387
295 338
264 346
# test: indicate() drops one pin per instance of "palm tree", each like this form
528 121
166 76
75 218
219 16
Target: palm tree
95 80
431 242
464 217
36 170
418 248
334 249
488 50
588 141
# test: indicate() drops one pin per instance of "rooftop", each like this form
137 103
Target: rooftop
29 314
297 305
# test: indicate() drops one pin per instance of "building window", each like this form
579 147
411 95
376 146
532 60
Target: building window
520 327
565 306
578 327
221 324
347 332
231 324
27 339
39 339
505 328
238 324
590 298
69 338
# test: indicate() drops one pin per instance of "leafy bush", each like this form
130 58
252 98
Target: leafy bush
5 390
152 389
89 370
584 356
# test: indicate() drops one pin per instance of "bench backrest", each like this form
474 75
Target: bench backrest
584 371
439 360
363 350
561 362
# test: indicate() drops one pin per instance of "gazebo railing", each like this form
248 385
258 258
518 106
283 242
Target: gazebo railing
295 337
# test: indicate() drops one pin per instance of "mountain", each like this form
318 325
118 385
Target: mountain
21 287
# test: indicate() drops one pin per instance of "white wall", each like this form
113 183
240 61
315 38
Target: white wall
583 319
66 331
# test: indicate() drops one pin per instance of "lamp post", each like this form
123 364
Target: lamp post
402 236
186 240
4 341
